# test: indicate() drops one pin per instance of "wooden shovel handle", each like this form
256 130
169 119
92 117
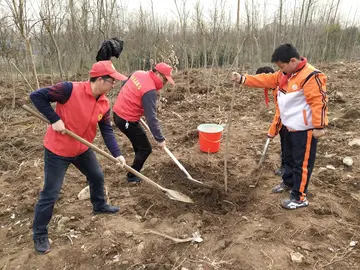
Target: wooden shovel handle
262 159
96 149
177 162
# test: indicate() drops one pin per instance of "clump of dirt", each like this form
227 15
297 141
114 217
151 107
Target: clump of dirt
188 139
352 113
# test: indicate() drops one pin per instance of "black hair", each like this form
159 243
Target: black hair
93 79
265 70
284 53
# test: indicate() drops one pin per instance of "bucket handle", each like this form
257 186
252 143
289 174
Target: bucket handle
208 139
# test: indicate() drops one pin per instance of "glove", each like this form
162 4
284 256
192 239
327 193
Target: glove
121 161
109 48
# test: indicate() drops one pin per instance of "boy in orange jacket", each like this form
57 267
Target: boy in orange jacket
302 106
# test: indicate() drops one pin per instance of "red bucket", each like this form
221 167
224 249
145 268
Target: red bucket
210 137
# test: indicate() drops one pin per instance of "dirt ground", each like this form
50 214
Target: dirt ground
243 229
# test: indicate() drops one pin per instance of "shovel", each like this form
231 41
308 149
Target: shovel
177 161
172 194
263 153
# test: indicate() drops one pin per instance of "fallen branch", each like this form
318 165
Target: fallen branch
267 256
148 209
71 241
342 258
178 115
195 238
23 121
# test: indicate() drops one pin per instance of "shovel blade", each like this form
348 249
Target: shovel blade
178 196
196 181
199 183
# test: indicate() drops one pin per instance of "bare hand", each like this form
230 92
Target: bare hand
161 144
317 133
235 77
59 126
121 161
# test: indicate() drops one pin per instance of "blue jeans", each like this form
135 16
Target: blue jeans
54 171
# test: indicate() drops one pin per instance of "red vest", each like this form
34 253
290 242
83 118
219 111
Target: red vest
128 104
81 114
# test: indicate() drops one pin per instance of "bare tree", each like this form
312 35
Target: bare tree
24 27
48 19
238 16
70 33
280 16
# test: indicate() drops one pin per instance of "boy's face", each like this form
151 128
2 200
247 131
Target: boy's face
288 68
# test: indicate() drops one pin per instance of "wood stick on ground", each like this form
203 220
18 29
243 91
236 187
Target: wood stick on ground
178 115
195 238
148 209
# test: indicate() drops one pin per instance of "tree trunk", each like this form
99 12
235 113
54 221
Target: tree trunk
48 28
238 16
33 67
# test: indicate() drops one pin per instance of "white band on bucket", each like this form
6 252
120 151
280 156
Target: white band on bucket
210 128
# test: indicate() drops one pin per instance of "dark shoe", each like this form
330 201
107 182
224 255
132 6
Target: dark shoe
133 179
106 209
280 171
42 245
280 188
292 204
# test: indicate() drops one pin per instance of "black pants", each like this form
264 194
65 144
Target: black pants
139 140
283 135
54 169
300 153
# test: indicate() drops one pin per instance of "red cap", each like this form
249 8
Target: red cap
103 68
165 70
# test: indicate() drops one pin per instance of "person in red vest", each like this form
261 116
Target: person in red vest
80 107
137 98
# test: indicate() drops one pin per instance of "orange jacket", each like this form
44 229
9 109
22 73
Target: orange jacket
276 123
301 103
